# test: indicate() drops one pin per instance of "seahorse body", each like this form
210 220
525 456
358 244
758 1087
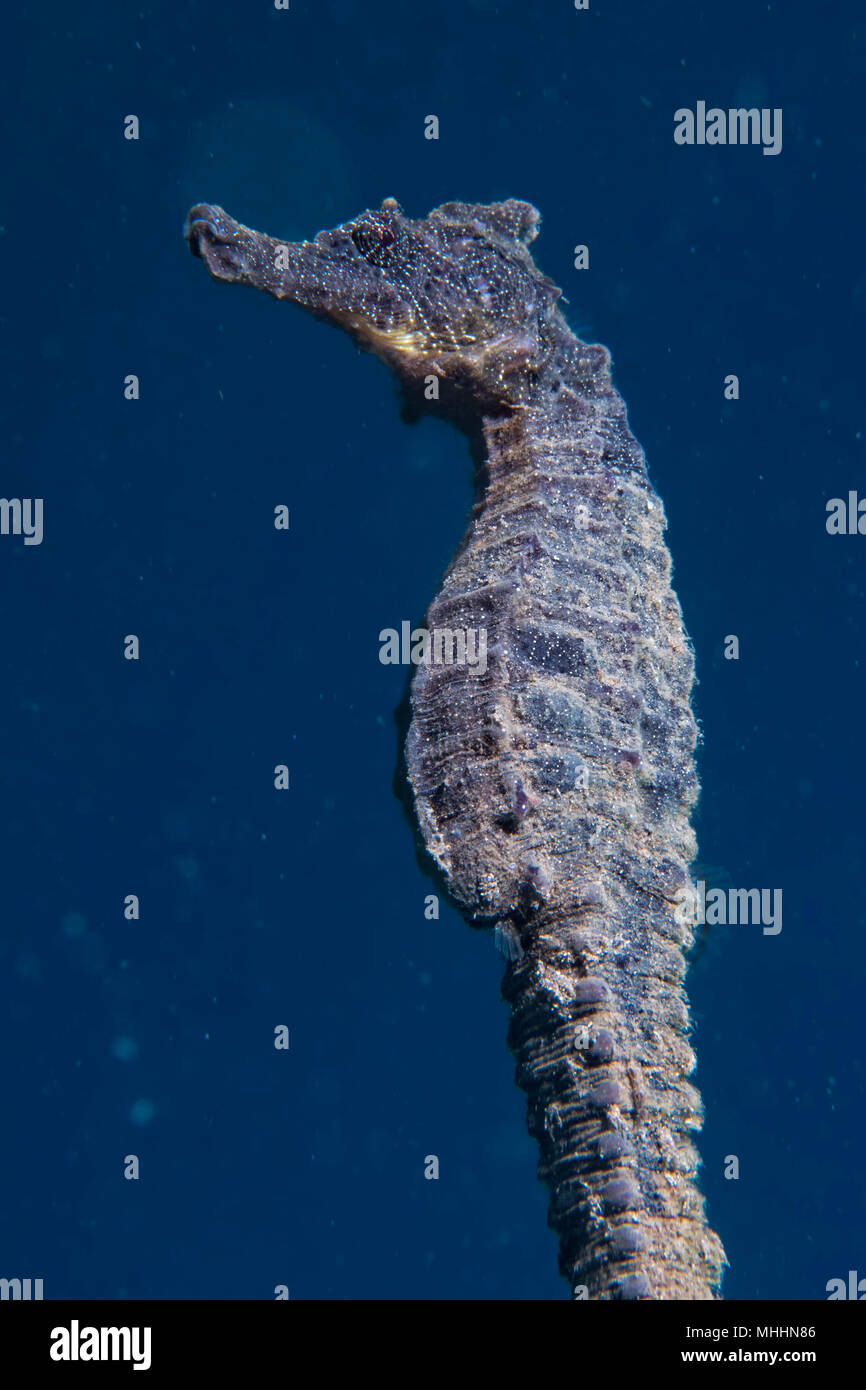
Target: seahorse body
553 788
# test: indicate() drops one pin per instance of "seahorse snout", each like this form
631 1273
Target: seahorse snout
214 237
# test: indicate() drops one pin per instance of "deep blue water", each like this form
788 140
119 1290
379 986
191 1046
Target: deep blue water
155 1037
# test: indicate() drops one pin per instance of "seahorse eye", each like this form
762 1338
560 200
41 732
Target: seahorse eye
364 238
375 241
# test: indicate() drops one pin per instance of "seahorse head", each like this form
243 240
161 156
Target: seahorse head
454 296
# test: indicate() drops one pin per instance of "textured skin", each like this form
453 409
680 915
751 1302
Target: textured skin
554 790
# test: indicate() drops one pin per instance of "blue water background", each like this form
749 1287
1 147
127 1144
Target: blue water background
305 908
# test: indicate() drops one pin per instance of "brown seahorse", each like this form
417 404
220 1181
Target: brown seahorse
553 788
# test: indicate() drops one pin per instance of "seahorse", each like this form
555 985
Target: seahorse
553 789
